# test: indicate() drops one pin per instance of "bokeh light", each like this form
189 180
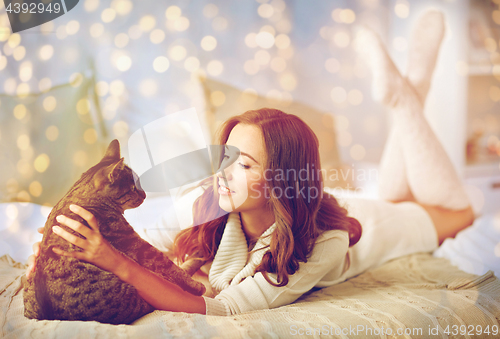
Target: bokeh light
344 138
265 11
25 71
208 43
108 15
357 152
101 88
288 81
116 87
41 163
123 63
177 52
338 94
402 9
210 11
332 65
217 98
157 36
262 57
96 30
161 64
173 13
120 129
355 97
264 39
52 133
191 64
147 23
14 40
341 39
44 84
35 188
250 40
219 24
282 41
90 5
215 67
278 64
72 27
134 32
80 158
90 136
23 141
3 62
83 106
148 87
251 67
121 40
122 7
49 103
19 53
20 111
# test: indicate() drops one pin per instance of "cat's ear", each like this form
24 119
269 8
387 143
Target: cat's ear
113 151
115 170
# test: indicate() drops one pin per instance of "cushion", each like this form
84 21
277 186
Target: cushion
475 249
47 140
223 101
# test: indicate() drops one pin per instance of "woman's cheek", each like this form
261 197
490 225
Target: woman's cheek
255 190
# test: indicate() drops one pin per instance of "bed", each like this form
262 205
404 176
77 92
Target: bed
453 291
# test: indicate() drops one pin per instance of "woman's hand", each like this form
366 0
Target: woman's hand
96 250
32 258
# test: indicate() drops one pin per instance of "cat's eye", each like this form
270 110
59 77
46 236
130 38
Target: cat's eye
133 188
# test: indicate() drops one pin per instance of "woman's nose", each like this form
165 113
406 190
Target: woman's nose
225 173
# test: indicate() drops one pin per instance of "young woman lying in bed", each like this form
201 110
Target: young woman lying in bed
273 235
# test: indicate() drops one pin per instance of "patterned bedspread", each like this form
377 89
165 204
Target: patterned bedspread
417 296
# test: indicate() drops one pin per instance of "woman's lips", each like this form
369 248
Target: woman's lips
223 190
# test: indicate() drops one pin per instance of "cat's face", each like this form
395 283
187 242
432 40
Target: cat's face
123 186
117 181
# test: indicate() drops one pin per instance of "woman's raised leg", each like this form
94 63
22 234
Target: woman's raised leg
432 179
425 41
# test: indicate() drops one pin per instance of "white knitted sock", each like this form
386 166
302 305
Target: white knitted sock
430 174
425 41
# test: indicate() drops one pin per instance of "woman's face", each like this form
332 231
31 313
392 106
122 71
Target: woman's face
242 187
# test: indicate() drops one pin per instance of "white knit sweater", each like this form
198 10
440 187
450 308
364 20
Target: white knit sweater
232 273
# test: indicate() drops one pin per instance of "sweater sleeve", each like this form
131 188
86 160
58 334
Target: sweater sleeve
255 293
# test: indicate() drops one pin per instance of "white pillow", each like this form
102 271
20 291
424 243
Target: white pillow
18 228
475 249
159 219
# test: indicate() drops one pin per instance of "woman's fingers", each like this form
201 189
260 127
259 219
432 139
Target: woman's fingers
77 255
74 225
89 217
40 230
36 249
31 265
77 241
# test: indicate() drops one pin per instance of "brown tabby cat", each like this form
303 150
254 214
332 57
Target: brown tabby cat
66 288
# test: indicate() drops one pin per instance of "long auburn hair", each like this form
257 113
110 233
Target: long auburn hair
291 146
